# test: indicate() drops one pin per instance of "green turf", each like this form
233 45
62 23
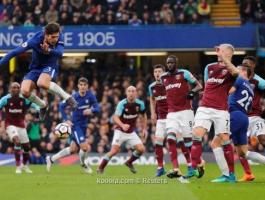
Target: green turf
69 182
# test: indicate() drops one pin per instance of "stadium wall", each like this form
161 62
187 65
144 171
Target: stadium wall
142 38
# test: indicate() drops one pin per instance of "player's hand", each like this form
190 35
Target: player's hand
45 47
153 118
125 127
87 112
191 95
69 123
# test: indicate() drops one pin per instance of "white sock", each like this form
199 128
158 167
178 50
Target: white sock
82 156
35 99
221 161
56 89
64 152
255 157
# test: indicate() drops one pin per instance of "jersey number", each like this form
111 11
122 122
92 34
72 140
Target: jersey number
246 100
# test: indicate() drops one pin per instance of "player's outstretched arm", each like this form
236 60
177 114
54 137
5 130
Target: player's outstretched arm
24 47
94 104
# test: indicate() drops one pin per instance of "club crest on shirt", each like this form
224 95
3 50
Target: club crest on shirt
11 104
21 103
86 100
137 108
210 72
224 71
154 91
126 109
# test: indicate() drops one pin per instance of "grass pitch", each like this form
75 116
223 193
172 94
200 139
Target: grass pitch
70 183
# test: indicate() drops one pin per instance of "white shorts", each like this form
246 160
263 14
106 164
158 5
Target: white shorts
161 130
180 122
204 117
120 137
13 131
256 126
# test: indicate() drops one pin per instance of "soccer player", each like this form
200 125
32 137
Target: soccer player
158 107
87 106
256 123
15 106
48 47
179 120
240 102
218 80
125 116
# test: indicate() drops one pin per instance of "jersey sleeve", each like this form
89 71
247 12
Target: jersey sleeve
150 93
142 106
20 49
206 74
119 108
59 49
32 105
94 104
261 82
189 77
3 101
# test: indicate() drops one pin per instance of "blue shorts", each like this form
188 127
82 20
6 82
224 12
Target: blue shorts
78 134
239 127
34 74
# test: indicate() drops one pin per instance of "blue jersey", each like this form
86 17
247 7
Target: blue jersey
39 59
241 99
84 102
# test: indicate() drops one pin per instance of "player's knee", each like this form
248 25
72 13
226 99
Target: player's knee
198 132
25 92
141 149
261 139
43 84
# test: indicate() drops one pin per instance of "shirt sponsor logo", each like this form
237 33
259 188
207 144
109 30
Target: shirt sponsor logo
15 110
215 80
171 86
159 98
130 116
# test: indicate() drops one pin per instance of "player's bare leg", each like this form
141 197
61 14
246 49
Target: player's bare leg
26 89
159 141
45 82
138 151
83 155
172 146
26 148
17 152
196 152
64 152
114 150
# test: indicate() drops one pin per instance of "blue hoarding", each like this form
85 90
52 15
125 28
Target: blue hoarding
120 38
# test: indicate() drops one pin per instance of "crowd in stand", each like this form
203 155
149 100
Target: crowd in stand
102 12
252 10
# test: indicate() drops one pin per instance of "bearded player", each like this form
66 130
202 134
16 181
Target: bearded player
125 116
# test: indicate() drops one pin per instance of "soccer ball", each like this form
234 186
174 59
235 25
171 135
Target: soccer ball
62 130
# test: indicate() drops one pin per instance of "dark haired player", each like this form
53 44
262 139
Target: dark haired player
15 106
87 106
48 47
178 83
158 107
